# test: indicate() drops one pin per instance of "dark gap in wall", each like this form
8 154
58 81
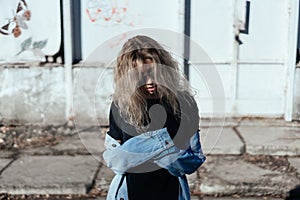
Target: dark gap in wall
76 31
187 34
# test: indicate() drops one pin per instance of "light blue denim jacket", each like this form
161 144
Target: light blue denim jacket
157 147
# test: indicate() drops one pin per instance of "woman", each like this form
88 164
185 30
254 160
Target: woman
151 100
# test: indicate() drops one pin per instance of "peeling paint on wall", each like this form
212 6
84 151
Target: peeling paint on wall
32 95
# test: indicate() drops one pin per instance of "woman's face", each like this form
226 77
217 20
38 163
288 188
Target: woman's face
147 73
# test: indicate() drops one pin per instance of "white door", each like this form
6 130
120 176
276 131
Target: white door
255 74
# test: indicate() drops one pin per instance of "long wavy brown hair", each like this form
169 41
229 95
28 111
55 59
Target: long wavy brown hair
129 95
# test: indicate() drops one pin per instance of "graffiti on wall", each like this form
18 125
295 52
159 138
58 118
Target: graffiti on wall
111 12
18 21
35 47
22 35
16 24
114 15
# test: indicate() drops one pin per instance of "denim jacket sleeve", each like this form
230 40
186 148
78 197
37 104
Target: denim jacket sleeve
187 161
137 150
155 146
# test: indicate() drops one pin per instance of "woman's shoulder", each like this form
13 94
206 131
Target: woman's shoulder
187 103
185 93
187 96
114 113
114 107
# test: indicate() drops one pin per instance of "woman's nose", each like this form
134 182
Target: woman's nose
149 80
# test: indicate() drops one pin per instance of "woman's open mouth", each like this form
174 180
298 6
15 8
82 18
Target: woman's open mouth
150 88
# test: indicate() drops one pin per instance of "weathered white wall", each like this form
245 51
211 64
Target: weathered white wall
37 95
102 20
92 95
268 29
296 110
254 74
212 28
32 95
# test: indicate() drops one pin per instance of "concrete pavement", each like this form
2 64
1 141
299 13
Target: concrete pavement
258 157
213 198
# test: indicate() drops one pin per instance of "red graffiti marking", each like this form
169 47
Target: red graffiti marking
112 11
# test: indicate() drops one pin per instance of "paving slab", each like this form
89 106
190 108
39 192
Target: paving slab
68 146
49 175
217 198
93 142
3 163
221 141
275 122
84 143
241 198
72 145
42 151
219 122
271 140
6 154
228 175
295 162
104 178
193 181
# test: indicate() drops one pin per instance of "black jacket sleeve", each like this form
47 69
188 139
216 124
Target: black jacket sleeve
189 123
114 129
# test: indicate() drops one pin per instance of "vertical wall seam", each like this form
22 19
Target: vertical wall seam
234 63
290 61
68 57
